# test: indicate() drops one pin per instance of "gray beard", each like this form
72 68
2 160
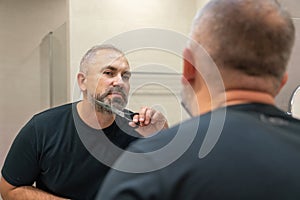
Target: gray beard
117 103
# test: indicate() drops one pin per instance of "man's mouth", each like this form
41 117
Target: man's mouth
113 96
116 94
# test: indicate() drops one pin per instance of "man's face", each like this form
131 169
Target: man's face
108 79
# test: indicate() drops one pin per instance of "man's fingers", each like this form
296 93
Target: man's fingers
132 124
149 116
144 116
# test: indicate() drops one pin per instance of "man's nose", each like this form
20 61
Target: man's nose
118 80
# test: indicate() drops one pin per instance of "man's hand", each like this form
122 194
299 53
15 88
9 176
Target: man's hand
150 121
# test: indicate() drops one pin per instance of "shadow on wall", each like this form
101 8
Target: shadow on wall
54 68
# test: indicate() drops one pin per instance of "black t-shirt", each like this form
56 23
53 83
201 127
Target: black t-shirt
246 152
59 152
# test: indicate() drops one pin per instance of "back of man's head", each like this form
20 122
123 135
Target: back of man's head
254 37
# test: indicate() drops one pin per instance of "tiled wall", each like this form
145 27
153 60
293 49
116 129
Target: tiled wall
283 98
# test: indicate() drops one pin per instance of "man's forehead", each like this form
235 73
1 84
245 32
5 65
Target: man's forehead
109 54
108 57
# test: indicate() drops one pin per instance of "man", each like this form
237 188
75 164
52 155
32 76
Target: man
256 152
67 150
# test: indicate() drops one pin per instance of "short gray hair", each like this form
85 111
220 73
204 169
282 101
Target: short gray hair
85 61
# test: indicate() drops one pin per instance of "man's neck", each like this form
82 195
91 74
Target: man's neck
96 120
234 97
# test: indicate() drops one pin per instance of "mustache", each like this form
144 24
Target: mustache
112 90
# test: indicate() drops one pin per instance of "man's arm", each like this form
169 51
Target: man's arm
21 168
10 192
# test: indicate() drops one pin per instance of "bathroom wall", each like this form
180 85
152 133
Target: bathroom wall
148 32
23 26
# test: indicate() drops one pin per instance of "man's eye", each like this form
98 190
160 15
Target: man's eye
108 73
126 77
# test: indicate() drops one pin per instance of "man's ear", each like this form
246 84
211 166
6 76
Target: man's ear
189 71
81 79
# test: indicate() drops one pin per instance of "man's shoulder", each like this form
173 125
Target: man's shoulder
227 120
55 114
58 110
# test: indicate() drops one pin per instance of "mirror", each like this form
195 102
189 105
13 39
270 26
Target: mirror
294 107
